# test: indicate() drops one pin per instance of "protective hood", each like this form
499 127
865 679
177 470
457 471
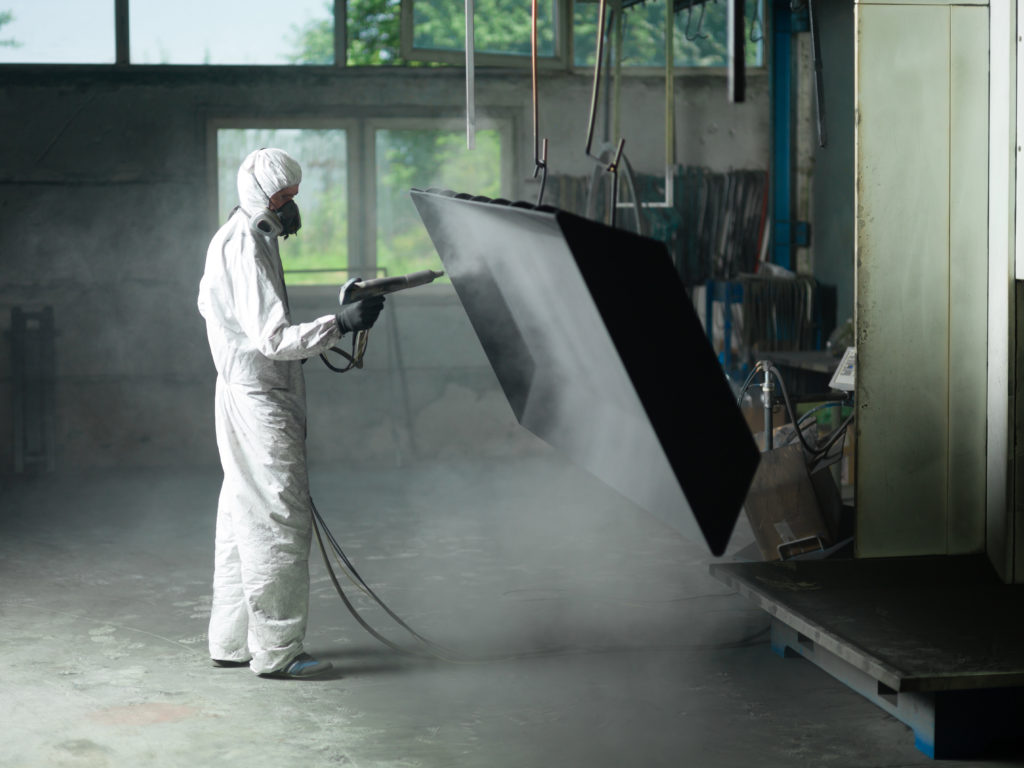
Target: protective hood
263 173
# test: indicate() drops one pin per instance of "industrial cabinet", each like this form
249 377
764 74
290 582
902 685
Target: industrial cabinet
921 266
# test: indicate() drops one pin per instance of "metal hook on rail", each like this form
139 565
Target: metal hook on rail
470 77
700 34
756 24
540 158
597 81
611 168
541 167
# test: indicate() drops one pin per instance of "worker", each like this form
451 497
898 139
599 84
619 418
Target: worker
264 513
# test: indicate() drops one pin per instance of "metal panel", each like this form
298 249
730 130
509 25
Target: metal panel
1016 532
902 275
601 354
1002 185
1015 98
968 287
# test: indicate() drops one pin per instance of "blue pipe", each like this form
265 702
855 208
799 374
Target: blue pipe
782 134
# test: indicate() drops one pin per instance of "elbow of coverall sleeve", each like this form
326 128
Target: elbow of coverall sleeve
271 347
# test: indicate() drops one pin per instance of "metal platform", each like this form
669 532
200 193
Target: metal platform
937 642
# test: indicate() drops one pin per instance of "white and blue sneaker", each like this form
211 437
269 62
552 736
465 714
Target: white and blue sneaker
300 667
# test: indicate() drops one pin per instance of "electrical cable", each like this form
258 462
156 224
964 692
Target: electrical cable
429 649
814 453
822 406
355 359
839 431
832 438
540 152
348 604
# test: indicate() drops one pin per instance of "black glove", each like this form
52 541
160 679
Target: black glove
359 315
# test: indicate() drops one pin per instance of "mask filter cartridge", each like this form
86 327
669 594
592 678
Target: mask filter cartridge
284 221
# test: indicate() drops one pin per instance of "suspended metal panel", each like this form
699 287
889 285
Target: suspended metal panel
600 354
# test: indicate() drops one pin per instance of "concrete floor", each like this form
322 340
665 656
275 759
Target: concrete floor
644 659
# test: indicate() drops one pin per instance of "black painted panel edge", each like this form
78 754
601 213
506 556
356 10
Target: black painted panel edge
685 393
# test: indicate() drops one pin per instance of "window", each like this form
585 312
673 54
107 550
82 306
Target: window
436 30
57 32
700 38
319 252
366 223
378 32
422 158
223 32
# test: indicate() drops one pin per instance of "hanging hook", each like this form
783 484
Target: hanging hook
689 18
541 167
700 34
470 77
608 166
756 24
540 156
601 18
700 24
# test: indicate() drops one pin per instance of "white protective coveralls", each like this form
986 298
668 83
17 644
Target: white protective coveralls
264 517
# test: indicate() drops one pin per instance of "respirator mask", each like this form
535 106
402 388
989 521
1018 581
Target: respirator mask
284 221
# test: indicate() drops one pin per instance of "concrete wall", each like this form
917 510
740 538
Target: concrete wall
106 203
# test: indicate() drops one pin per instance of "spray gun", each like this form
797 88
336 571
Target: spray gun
358 289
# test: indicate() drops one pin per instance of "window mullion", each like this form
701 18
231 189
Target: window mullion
340 33
121 43
564 17
362 198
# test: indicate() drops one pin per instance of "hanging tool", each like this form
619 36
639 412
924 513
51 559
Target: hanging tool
766 393
612 166
700 34
357 289
670 111
819 74
540 155
470 78
756 25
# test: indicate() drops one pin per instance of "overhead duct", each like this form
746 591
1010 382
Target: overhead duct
600 354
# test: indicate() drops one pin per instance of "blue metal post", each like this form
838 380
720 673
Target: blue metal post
782 134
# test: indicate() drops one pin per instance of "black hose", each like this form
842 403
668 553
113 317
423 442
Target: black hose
814 453
431 649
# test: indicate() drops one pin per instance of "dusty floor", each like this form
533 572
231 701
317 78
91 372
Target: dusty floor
616 648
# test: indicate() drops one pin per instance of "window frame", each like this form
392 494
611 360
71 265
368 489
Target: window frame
504 126
562 58
361 162
565 54
680 70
